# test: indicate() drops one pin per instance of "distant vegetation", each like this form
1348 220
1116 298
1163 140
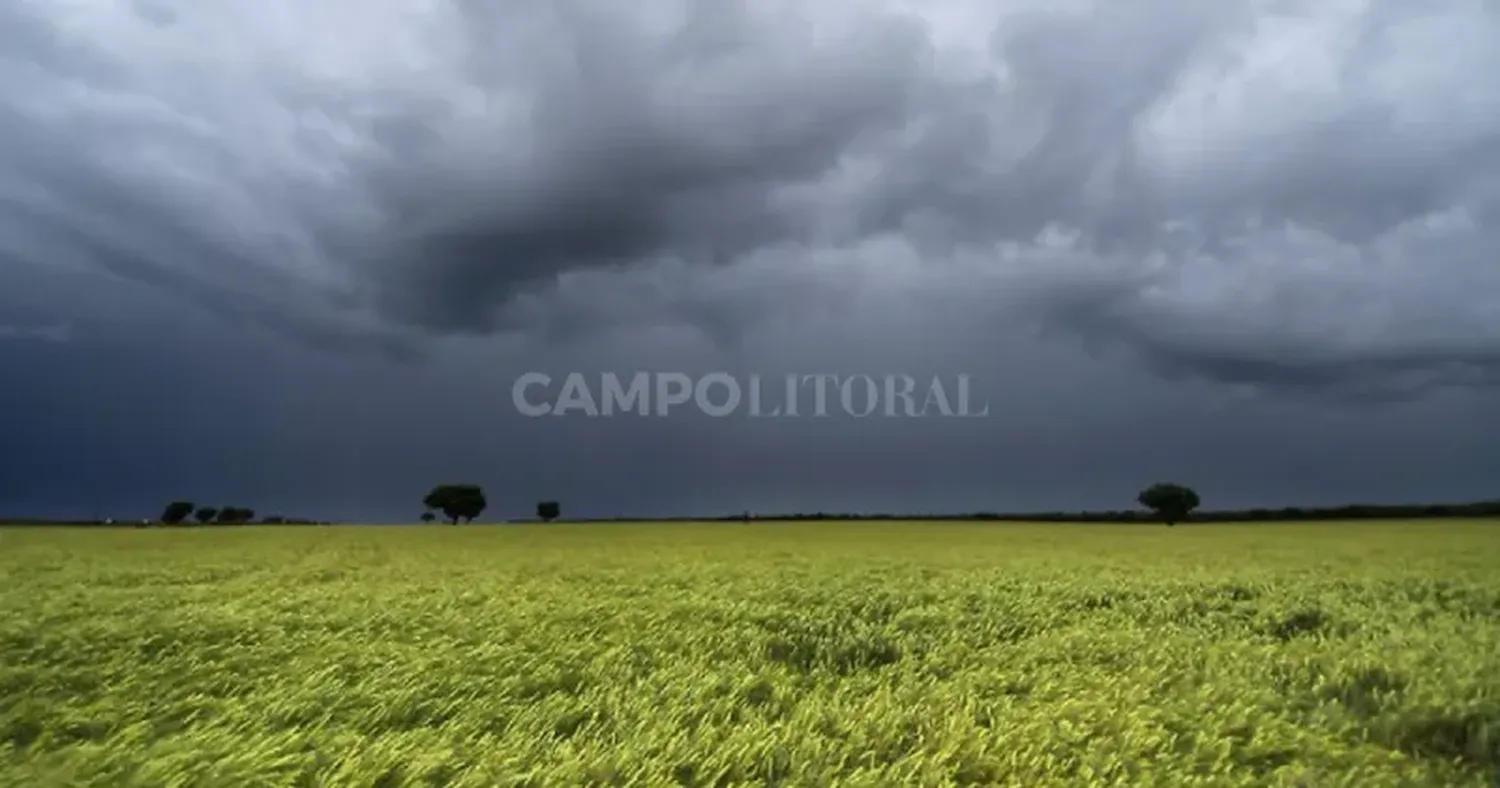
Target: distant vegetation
1170 501
178 513
456 501
1475 510
1167 502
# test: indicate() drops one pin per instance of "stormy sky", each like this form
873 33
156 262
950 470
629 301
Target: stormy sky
293 254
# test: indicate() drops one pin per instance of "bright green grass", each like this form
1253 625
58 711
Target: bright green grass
899 654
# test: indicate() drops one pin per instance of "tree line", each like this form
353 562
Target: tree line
1166 502
466 501
1351 512
180 512
1170 501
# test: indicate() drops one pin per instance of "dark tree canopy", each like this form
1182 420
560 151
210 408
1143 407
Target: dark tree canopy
428 517
205 514
1171 501
236 514
549 510
176 512
456 501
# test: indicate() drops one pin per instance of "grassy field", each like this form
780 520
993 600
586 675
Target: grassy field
817 654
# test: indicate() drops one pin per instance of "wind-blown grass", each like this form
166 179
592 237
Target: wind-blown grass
901 654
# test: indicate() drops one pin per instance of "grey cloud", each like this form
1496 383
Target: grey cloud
1282 194
634 145
57 209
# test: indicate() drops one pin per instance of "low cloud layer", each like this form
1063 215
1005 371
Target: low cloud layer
1271 198
1252 191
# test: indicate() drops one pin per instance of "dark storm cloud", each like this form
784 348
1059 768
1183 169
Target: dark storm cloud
1280 194
624 144
134 188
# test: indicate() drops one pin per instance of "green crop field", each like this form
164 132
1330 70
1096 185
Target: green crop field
814 654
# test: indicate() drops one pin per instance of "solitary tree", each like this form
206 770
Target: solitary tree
428 517
456 501
1172 502
549 510
205 514
176 512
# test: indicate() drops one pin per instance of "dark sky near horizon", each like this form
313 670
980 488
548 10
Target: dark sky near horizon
293 254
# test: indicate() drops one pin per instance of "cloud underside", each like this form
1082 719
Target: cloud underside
1289 194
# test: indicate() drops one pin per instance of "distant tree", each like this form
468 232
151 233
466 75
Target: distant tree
205 514
549 510
428 517
1172 502
233 515
456 501
176 512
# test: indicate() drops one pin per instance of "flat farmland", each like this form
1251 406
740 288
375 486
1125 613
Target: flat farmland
809 654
